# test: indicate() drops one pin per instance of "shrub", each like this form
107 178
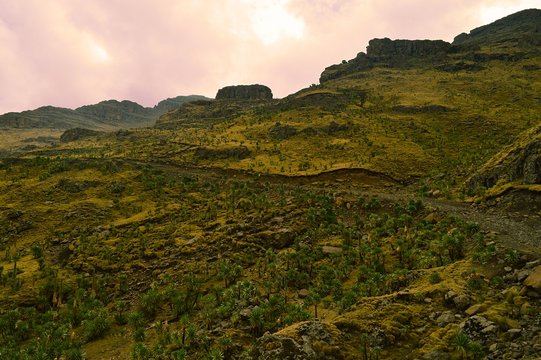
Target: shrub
140 352
96 326
435 278
150 302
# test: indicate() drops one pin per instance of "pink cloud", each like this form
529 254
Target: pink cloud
75 52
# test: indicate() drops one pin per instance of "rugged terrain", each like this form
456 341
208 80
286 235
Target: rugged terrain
390 212
107 115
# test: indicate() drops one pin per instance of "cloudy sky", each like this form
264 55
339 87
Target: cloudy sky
74 52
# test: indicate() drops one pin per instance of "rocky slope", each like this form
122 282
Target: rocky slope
106 115
325 225
520 31
518 164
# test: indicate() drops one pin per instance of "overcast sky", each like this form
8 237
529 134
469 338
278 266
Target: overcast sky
74 52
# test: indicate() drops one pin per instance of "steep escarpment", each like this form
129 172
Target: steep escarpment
520 32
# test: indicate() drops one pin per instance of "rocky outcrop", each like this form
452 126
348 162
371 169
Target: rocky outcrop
78 133
244 92
392 53
521 162
521 30
387 48
238 152
311 340
282 132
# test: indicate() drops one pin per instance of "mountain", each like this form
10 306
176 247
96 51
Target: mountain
513 37
391 212
519 30
106 115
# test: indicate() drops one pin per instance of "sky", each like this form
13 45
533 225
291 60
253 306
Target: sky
71 53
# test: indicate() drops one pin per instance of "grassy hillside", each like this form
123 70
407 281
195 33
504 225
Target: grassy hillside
325 225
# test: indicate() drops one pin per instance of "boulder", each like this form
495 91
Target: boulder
475 309
534 279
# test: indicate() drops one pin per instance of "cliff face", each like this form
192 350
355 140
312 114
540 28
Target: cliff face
518 31
385 48
519 163
391 53
244 92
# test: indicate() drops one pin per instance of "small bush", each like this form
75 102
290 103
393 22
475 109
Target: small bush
435 278
96 326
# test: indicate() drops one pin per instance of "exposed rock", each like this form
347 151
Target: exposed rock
445 318
534 279
479 328
244 92
386 48
312 340
78 133
475 309
520 29
282 132
332 250
304 293
521 162
238 152
460 301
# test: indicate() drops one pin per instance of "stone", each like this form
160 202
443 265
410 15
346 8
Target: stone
475 309
446 318
512 334
533 281
303 293
523 274
489 329
462 302
332 250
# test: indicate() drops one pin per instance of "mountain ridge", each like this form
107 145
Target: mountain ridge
106 115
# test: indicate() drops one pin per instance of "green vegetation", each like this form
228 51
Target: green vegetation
327 222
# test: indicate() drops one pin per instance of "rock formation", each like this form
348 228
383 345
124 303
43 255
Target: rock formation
521 162
78 133
244 92
522 30
387 48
